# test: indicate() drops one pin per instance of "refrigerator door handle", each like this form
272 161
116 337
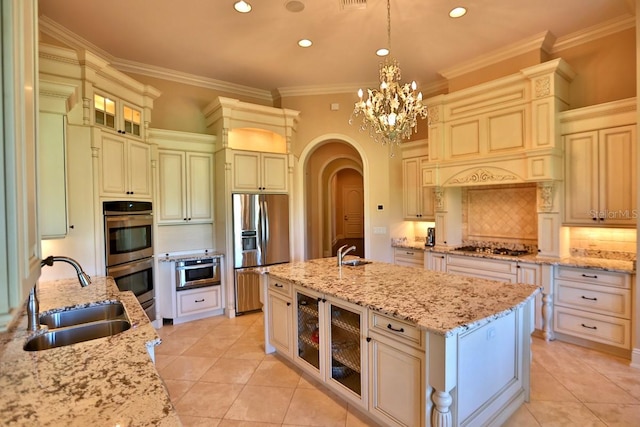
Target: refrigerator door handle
260 234
267 226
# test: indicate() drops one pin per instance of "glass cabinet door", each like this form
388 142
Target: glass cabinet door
345 348
308 329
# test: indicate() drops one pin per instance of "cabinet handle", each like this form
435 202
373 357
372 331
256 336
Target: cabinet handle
589 276
589 327
199 300
590 299
394 329
368 339
409 253
288 304
278 285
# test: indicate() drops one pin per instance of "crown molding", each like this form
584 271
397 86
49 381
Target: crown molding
282 92
593 33
190 79
542 41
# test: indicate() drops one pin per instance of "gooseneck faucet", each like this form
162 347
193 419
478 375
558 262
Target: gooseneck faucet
342 254
83 277
33 306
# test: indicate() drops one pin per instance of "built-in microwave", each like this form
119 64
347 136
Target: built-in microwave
197 273
128 229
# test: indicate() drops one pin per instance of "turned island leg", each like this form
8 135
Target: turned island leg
441 415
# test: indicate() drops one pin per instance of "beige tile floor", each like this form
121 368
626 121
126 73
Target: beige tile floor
218 375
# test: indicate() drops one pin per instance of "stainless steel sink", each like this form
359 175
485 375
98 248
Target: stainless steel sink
77 316
355 262
76 334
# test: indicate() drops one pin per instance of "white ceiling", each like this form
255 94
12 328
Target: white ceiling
209 39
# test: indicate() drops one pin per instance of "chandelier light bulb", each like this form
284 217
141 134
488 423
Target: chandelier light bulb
242 6
360 94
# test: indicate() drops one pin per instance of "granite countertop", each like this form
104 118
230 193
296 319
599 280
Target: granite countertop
103 382
189 256
621 266
442 303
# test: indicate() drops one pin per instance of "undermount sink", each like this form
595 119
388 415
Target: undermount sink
355 262
77 316
76 334
80 324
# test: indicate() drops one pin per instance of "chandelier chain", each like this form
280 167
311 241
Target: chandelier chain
389 25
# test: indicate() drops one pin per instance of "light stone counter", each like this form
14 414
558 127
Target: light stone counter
442 303
103 382
621 266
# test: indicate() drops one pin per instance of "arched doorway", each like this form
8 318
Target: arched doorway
334 189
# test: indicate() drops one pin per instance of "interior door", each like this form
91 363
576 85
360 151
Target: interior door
353 211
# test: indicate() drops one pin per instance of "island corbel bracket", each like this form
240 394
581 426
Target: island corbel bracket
442 377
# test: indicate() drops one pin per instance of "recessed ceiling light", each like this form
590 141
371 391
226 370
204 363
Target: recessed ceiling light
242 6
382 51
457 12
294 5
305 43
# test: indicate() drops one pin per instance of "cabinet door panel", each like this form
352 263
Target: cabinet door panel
618 176
246 171
113 155
200 186
396 383
410 180
581 178
274 172
281 326
171 186
139 168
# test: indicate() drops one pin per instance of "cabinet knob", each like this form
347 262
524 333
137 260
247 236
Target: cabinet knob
72 226
368 339
288 304
184 219
188 219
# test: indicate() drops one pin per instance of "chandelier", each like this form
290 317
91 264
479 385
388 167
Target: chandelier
391 112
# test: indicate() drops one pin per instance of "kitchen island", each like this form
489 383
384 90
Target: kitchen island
433 349
103 382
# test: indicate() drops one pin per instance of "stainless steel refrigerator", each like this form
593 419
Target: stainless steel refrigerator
260 238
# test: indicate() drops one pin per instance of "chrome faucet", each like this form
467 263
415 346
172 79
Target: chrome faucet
33 306
342 254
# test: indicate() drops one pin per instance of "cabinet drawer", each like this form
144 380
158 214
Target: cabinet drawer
397 329
409 257
605 300
594 327
593 276
484 264
281 286
198 300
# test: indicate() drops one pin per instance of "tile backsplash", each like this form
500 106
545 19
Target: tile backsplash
612 243
504 213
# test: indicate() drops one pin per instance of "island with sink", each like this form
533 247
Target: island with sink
89 363
409 347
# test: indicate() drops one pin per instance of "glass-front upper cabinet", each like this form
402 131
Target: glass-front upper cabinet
115 114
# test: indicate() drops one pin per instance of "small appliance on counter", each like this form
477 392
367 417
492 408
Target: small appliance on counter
431 237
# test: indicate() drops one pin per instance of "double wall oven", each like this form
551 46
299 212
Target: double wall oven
128 227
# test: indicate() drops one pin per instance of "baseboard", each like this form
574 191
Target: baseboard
635 358
609 349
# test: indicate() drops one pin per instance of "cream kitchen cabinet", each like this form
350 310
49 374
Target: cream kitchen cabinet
397 371
593 306
330 343
408 257
281 316
436 261
264 172
418 199
199 300
20 260
117 115
600 185
185 187
484 268
125 168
